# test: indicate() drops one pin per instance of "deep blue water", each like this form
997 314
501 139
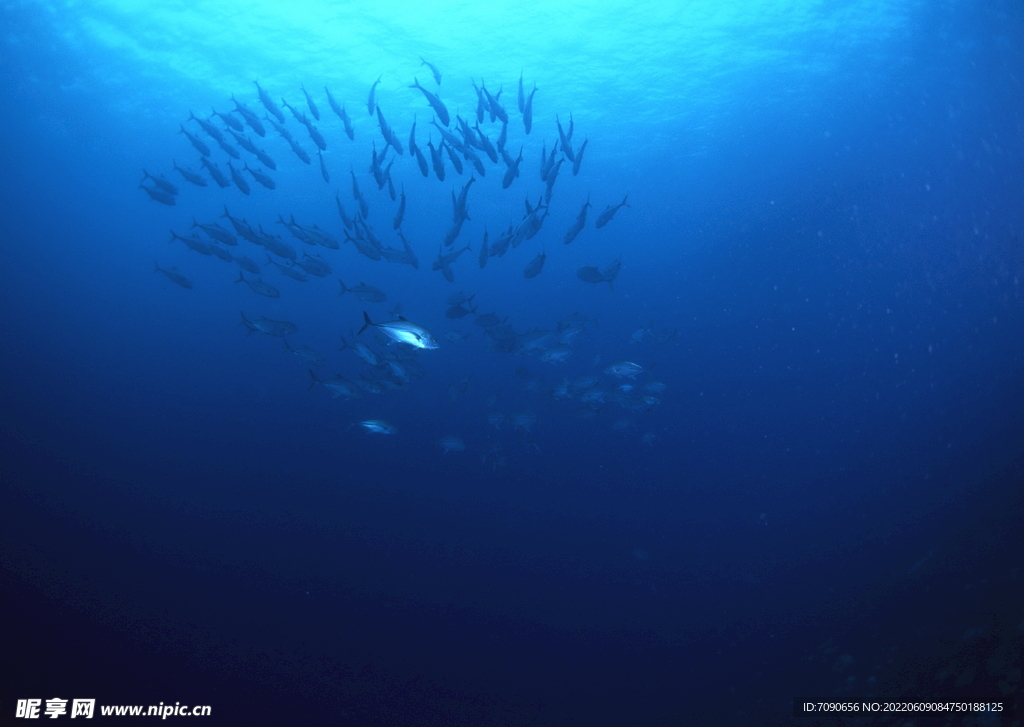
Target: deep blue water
821 261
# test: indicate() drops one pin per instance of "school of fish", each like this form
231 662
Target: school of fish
232 153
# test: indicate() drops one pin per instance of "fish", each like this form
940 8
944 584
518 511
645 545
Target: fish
250 117
268 102
486 320
198 143
496 109
558 354
159 195
512 172
276 245
459 205
435 103
238 179
579 157
451 443
215 172
366 354
453 233
522 420
365 293
388 133
400 215
456 162
258 286
323 167
289 270
378 426
409 252
305 354
528 111
477 164
269 326
564 141
457 311
228 149
191 176
624 370
433 70
246 264
535 266
261 177
299 151
500 247
364 209
480 103
338 386
403 331
521 99
342 114
641 333
590 274
174 276
371 101
162 182
244 142
609 212
445 261
456 335
265 159
502 139
314 265
483 254
485 144
217 232
552 177
421 161
309 102
316 136
413 148
579 224
298 115
212 131
436 160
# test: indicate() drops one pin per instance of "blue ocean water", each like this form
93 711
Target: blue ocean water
809 492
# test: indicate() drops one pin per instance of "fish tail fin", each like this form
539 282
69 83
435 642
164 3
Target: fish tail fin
624 200
344 343
241 278
156 267
314 381
174 236
366 317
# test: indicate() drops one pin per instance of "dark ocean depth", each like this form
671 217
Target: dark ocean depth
745 432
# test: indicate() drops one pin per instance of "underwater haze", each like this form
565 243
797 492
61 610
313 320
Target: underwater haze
512 363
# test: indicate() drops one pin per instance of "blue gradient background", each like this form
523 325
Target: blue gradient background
825 203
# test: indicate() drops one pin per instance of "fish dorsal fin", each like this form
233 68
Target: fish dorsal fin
403 318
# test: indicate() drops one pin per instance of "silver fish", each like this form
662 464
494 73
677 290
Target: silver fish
403 331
